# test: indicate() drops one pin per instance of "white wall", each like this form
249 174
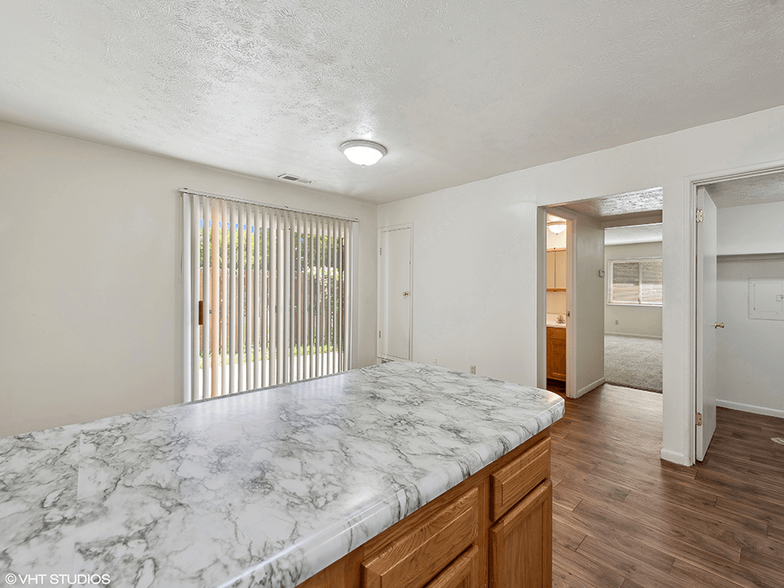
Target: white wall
90 319
556 301
556 240
750 370
642 321
473 282
757 228
493 224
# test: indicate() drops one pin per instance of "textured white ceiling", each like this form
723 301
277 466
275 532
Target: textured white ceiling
457 90
620 204
618 207
551 218
762 189
637 234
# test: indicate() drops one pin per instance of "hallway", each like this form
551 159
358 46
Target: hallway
623 518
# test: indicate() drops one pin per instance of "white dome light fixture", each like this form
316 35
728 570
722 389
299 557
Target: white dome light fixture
363 152
557 229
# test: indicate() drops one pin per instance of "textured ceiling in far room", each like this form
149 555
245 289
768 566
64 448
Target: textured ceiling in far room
763 189
629 206
457 91
620 204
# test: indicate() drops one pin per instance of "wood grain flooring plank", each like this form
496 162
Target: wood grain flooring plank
776 533
718 524
566 535
586 569
651 571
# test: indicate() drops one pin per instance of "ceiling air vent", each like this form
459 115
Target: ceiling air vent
293 178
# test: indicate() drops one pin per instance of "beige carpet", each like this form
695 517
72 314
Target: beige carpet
633 362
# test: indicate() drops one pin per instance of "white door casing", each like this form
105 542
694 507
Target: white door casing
395 293
706 321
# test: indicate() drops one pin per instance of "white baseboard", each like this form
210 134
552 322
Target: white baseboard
675 457
633 335
589 387
774 412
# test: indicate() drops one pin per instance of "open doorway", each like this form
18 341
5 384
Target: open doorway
586 287
634 286
740 305
556 304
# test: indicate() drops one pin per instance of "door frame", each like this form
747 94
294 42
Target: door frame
703 333
410 227
570 386
692 183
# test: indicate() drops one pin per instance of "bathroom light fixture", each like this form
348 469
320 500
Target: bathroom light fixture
557 229
363 152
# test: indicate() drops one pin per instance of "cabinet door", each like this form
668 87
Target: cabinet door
521 543
462 573
550 354
560 269
556 353
551 269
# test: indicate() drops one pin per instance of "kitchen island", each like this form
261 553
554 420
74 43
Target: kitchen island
264 488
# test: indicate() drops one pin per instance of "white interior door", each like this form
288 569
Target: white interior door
585 302
706 321
395 293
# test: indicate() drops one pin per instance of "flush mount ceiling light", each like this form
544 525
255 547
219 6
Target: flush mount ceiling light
557 229
363 152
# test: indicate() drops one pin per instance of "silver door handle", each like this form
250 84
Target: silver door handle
718 325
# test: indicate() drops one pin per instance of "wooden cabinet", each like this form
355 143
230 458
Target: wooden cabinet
556 269
551 270
493 528
512 482
521 543
419 555
556 353
464 572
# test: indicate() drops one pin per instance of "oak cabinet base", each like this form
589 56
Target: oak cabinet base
556 353
519 557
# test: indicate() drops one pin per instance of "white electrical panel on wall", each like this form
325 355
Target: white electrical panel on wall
766 299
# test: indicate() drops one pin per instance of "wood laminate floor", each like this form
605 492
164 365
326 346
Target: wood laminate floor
623 518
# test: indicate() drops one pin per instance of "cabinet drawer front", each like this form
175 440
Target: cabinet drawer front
556 333
418 556
512 482
461 573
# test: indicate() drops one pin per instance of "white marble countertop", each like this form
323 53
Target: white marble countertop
264 488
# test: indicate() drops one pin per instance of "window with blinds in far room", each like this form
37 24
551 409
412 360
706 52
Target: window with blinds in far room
636 282
268 295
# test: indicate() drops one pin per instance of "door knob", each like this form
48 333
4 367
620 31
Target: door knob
405 293
718 325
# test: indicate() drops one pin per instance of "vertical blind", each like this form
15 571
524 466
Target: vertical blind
268 295
636 282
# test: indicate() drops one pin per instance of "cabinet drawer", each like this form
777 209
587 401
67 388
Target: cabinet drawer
418 556
461 573
512 482
556 333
